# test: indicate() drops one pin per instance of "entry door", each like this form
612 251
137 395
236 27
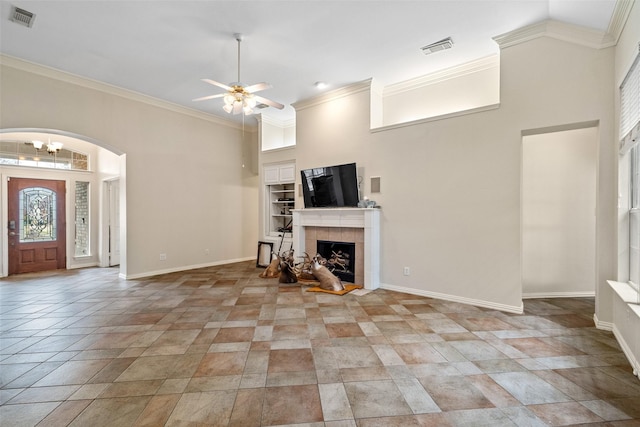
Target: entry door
36 228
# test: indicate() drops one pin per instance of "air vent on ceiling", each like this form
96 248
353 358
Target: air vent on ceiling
437 46
22 17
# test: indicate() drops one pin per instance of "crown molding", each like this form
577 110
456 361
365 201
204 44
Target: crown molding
485 63
275 122
621 12
364 85
32 67
558 30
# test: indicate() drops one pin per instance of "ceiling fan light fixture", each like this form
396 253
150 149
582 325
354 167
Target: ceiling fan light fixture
250 101
229 99
239 98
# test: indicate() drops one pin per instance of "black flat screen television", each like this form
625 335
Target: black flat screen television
332 186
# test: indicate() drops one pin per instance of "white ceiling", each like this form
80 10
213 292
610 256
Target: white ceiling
163 48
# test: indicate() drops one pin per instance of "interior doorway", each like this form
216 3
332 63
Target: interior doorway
37 225
113 221
559 213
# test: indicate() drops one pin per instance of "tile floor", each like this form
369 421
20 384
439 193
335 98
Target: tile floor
221 347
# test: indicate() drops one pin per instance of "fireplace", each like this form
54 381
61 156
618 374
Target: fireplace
351 225
341 258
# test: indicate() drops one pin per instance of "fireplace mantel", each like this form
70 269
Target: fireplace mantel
366 218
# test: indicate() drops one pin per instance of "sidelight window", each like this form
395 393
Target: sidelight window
82 219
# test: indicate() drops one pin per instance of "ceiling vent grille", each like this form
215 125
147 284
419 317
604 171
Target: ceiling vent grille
437 46
22 17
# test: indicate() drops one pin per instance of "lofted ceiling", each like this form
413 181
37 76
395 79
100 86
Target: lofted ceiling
164 48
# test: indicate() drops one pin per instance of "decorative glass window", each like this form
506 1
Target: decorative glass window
82 219
20 153
37 215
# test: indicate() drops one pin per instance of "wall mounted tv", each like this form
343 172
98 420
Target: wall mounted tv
332 186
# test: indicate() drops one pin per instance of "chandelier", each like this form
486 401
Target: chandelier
52 147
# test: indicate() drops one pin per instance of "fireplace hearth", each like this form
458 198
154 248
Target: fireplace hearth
358 225
341 258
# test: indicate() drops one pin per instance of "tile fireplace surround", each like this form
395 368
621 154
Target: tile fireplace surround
351 225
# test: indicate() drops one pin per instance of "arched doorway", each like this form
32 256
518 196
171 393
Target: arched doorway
85 238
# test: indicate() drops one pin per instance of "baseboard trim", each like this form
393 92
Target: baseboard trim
184 268
605 326
446 297
530 295
635 364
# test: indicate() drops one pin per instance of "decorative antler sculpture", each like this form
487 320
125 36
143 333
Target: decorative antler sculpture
326 278
287 269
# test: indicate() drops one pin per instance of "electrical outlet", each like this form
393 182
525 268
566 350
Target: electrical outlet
406 271
163 257
206 251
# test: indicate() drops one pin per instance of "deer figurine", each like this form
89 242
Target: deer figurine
287 271
327 279
273 269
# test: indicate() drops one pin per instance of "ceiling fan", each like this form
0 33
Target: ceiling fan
239 98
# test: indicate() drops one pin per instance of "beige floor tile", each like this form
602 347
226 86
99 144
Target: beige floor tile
221 346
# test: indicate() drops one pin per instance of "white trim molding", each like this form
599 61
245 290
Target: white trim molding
436 118
618 20
605 326
364 85
52 73
558 30
446 297
530 295
626 321
482 64
184 269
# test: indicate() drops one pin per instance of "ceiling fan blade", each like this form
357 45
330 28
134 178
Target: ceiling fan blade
215 83
204 98
257 87
274 104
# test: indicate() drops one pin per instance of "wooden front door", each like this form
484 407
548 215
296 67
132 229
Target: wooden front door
37 227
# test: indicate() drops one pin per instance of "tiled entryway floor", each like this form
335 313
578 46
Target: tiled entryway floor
221 347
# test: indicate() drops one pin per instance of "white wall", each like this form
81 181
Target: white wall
451 188
275 135
558 213
461 88
186 189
